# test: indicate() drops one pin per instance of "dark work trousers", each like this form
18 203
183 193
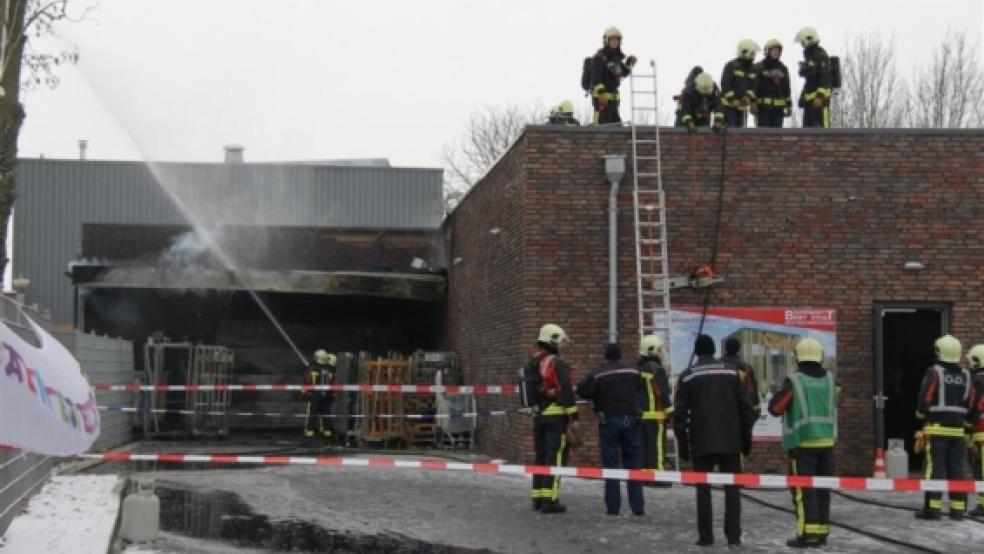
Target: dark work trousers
550 444
319 406
977 466
944 459
770 117
653 444
725 463
608 115
734 117
621 448
816 117
812 505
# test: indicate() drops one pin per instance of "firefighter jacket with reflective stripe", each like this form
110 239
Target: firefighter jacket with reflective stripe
815 69
712 412
616 389
773 89
945 399
700 108
739 81
977 415
659 400
608 68
320 375
565 403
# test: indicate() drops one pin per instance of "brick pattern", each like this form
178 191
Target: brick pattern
823 219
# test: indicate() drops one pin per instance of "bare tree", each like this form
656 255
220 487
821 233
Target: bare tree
489 133
872 94
20 66
949 91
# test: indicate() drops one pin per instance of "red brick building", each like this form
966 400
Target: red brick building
884 226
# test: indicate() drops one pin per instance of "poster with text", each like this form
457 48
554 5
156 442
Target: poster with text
768 338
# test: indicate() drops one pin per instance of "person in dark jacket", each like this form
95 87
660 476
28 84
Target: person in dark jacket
807 404
608 67
946 405
319 406
616 389
699 105
658 413
555 411
739 82
732 357
815 70
976 444
713 423
563 115
773 91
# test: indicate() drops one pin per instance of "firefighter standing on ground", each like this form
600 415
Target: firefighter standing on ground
807 403
732 357
555 411
713 423
773 90
976 443
945 404
699 105
608 67
617 391
659 404
815 69
321 372
739 81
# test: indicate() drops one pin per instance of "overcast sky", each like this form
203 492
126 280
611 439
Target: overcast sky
294 79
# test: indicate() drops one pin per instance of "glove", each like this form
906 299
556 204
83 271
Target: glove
753 107
920 443
691 127
631 61
818 102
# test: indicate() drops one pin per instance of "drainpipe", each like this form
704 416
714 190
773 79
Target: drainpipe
614 171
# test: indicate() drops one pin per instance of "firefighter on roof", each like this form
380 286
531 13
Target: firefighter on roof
739 81
817 87
608 67
320 372
554 413
563 114
699 105
773 91
658 413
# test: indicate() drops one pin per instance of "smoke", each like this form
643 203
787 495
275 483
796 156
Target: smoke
187 250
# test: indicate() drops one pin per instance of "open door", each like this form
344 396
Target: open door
904 337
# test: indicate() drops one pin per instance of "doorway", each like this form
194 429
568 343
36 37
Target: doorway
904 336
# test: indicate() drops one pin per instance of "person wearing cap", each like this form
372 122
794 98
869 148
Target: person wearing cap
975 445
713 422
945 405
617 391
608 68
807 403
555 411
659 403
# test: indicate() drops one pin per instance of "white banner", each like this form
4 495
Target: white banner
46 403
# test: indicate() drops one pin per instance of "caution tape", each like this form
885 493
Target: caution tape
131 409
751 480
253 387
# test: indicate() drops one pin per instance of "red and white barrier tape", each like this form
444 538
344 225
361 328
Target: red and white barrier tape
252 387
219 413
683 477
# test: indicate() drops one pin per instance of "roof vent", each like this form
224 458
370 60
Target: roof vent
234 153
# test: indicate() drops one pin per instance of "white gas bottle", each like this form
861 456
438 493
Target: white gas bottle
896 460
141 514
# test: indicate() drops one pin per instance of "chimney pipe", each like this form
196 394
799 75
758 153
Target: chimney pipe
234 154
83 146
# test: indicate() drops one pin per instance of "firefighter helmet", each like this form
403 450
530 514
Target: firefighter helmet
807 36
554 110
976 357
704 83
772 43
809 350
747 49
566 107
611 32
948 349
552 334
650 345
322 357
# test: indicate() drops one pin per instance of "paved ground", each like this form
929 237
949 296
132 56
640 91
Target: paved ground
356 508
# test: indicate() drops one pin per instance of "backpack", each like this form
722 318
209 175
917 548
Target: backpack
586 74
835 72
538 381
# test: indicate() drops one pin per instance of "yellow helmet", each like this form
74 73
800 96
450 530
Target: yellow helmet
704 83
809 350
948 349
552 334
976 357
807 36
322 357
566 107
554 110
650 345
772 43
611 32
747 49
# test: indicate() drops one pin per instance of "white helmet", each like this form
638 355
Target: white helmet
650 346
611 32
948 349
704 83
976 357
809 350
552 334
322 357
747 48
807 36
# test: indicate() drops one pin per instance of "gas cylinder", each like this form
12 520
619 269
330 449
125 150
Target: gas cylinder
141 513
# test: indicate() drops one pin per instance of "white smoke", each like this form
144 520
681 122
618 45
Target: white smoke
188 249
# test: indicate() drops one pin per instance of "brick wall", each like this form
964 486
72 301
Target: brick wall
811 218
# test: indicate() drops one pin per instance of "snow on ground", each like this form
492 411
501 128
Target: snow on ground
70 515
169 543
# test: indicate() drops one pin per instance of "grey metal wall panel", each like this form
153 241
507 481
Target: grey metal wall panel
55 197
21 475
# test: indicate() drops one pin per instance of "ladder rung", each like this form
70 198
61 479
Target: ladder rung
653 275
646 141
647 174
647 157
650 257
650 241
644 109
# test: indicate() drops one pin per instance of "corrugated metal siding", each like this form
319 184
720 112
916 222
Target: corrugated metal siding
21 475
55 197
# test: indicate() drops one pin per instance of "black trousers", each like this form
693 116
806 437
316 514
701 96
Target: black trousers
734 117
816 117
725 463
319 405
608 115
944 459
653 444
812 505
550 445
770 117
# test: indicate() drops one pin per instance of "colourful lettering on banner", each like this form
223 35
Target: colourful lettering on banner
15 364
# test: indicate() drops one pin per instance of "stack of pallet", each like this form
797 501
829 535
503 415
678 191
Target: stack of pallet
382 430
